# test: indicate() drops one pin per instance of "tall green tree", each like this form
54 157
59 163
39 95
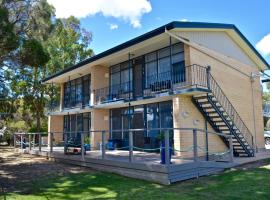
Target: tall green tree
68 44
45 45
25 65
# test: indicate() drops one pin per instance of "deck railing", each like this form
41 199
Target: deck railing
189 76
199 146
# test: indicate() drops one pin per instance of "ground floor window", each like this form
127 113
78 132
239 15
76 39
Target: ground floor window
75 124
147 117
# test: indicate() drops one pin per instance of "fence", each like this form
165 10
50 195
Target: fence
177 145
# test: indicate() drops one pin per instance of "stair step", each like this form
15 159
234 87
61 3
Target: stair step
200 97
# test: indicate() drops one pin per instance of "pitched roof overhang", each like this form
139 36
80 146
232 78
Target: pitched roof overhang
230 28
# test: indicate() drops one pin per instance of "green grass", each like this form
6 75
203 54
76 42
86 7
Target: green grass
235 184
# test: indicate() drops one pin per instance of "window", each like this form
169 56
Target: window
120 78
77 123
166 118
158 66
152 119
77 92
150 116
178 63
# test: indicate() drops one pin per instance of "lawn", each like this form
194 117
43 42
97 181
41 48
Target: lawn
251 183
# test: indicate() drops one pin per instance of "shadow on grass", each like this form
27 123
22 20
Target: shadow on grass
233 184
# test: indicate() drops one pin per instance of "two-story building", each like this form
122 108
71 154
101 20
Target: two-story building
180 75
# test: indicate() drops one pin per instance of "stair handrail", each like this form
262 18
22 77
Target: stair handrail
230 110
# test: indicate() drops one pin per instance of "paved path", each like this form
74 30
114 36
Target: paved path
19 169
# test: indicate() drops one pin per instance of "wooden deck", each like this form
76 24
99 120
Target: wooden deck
144 166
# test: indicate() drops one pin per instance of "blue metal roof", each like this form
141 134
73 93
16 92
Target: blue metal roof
155 32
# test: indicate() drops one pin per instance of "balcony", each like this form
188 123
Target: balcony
54 107
189 79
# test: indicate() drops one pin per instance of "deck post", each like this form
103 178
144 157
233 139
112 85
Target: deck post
29 141
21 141
103 144
51 143
195 145
231 148
82 146
34 139
208 69
167 147
39 141
65 143
130 138
14 140
206 141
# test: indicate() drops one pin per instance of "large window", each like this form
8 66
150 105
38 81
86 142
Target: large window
160 65
77 92
77 123
150 117
119 82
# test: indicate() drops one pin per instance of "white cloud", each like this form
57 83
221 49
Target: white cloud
264 45
184 20
113 26
128 10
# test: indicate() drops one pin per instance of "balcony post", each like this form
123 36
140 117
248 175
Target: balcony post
171 66
208 69
51 110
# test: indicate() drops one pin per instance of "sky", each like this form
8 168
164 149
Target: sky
113 22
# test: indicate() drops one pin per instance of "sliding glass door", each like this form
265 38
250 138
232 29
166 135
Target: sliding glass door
150 118
75 124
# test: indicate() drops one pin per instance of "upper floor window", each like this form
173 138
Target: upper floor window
120 78
77 92
159 65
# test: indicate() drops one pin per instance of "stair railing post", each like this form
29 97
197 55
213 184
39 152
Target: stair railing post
130 138
231 147
167 147
39 141
208 69
82 146
195 145
103 144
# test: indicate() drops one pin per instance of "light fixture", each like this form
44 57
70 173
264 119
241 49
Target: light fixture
185 114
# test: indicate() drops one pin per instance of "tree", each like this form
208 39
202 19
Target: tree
9 41
26 65
44 46
68 44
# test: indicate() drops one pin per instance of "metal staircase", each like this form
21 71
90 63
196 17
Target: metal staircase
223 117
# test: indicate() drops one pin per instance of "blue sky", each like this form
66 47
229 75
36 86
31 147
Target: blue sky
115 21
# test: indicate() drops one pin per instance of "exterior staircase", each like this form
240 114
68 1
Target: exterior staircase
223 117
